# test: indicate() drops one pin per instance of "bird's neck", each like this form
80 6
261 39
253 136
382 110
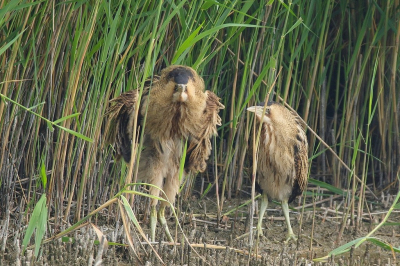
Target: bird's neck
175 121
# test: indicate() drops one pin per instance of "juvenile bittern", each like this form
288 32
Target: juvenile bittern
282 167
177 109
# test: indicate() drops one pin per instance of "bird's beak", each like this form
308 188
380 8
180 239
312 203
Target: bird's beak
257 110
252 109
182 92
181 87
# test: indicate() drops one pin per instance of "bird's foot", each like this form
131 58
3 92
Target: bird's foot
289 237
166 230
259 231
153 223
163 222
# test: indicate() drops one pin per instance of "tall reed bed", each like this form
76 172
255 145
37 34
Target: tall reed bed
335 62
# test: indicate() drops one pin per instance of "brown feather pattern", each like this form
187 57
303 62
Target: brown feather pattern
199 149
282 166
173 115
282 163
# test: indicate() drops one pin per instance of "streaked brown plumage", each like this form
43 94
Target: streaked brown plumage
176 109
282 164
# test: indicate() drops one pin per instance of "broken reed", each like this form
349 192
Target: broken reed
338 62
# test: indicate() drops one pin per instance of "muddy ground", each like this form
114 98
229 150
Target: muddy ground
223 243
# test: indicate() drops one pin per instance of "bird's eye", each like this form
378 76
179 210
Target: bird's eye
267 110
176 88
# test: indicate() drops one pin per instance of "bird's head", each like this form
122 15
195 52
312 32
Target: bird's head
274 112
182 82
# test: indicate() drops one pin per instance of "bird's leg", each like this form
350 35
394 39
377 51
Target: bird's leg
154 177
263 208
163 222
153 223
285 209
171 188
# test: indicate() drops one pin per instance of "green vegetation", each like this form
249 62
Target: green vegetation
335 62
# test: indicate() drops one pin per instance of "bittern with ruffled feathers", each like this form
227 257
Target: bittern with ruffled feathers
177 109
282 164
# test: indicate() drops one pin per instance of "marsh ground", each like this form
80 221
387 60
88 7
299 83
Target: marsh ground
226 243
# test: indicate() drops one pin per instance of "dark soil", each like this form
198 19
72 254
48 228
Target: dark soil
222 243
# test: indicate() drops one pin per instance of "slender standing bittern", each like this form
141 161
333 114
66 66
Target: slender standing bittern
282 167
174 108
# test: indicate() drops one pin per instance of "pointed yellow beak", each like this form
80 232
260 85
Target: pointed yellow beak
257 110
252 109
181 88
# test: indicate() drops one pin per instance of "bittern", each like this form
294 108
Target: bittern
282 167
174 109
